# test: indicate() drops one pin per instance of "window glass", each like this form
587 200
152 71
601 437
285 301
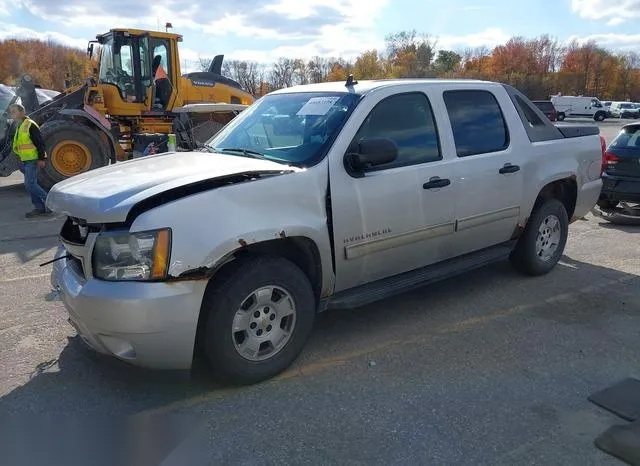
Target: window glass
126 60
530 115
406 119
161 50
477 122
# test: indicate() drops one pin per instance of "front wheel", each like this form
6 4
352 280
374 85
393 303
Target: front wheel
541 245
259 316
561 116
600 116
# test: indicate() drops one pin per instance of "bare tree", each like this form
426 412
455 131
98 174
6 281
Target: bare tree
282 73
204 63
300 72
318 68
248 74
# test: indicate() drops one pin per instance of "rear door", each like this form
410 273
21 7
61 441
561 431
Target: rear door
489 169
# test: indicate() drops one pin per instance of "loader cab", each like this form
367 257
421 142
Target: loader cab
129 62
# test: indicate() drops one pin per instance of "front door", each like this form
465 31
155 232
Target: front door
398 216
489 170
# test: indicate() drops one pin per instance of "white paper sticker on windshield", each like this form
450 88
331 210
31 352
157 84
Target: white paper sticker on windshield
317 106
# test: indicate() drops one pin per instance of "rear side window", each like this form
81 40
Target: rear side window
529 114
628 138
477 122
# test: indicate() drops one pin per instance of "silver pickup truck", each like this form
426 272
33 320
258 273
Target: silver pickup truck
316 197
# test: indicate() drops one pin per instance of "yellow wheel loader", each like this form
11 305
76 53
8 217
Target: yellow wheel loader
136 98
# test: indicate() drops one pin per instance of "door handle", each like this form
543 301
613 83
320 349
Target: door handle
508 168
436 182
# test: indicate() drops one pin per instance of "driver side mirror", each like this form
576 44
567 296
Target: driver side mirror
369 153
90 51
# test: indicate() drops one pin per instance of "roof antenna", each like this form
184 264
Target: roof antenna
350 81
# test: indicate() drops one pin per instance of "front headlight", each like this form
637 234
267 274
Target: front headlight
140 256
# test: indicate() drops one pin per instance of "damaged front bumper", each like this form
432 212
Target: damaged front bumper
150 325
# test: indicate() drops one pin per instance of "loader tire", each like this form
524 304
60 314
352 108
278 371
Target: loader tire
72 148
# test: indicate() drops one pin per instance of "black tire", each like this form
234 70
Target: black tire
224 299
600 116
57 131
561 116
524 257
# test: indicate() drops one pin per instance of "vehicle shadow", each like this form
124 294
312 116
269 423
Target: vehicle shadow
81 382
27 249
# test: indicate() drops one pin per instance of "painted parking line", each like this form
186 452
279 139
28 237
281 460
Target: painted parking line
25 277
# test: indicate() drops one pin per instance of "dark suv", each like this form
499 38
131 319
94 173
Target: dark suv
621 169
547 108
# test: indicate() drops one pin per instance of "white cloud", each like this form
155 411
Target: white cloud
336 42
489 37
614 11
619 42
273 19
13 31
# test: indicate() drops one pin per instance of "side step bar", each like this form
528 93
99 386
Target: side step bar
387 287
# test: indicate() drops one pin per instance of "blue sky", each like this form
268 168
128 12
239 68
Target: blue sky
262 30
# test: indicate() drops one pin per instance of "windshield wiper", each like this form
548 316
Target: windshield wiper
246 152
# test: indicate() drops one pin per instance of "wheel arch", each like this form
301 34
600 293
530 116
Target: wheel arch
300 250
563 189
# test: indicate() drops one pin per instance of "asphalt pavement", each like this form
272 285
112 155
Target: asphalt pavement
486 368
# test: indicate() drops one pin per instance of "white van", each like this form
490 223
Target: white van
578 106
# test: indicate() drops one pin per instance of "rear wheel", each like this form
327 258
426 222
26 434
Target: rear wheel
72 149
541 245
259 316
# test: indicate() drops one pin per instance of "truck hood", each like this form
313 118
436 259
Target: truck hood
105 195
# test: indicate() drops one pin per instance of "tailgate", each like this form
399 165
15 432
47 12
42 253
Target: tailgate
625 162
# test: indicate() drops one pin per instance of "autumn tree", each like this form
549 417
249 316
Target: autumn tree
628 86
367 66
447 62
538 66
410 54
46 61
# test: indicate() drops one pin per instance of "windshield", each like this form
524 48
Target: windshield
295 128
